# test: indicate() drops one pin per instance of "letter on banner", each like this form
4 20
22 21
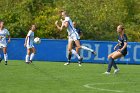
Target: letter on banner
97 50
135 53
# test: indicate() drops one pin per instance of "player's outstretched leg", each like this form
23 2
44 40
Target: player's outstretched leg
89 49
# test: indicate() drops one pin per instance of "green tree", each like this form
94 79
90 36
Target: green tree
98 19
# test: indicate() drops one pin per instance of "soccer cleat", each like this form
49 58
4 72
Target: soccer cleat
116 71
80 60
5 62
30 61
107 73
94 53
66 63
79 65
27 62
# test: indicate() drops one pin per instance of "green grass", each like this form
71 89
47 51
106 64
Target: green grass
54 77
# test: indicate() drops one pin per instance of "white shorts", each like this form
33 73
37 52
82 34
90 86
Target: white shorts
30 46
73 37
3 45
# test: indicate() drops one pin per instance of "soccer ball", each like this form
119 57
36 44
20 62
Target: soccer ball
37 40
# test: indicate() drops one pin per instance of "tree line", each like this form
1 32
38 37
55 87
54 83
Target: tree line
98 19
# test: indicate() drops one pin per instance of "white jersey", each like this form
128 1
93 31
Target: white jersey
3 33
70 28
30 39
73 35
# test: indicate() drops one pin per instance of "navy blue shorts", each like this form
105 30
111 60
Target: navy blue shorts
124 52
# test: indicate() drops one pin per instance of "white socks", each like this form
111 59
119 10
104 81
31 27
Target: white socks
27 58
75 53
32 56
86 48
5 57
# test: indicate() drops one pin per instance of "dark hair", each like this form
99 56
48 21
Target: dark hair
62 11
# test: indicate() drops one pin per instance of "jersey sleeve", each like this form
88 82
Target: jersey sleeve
7 32
125 38
66 19
29 33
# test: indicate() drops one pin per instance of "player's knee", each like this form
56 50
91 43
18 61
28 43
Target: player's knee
113 57
78 47
109 56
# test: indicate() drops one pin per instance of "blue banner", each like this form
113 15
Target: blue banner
56 50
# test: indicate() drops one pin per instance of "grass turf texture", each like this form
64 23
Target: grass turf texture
54 77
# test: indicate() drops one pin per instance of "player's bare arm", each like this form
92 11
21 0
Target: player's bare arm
64 24
59 27
9 39
116 46
26 41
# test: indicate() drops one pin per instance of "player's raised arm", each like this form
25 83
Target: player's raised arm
60 27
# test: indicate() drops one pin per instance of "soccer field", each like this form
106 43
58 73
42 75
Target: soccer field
54 77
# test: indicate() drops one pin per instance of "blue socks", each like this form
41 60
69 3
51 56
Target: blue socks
110 64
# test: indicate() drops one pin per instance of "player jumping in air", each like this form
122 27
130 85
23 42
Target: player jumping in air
29 40
3 33
78 30
120 52
72 36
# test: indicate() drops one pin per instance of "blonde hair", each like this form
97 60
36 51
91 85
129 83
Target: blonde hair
122 27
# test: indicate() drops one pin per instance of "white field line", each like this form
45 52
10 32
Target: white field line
93 86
